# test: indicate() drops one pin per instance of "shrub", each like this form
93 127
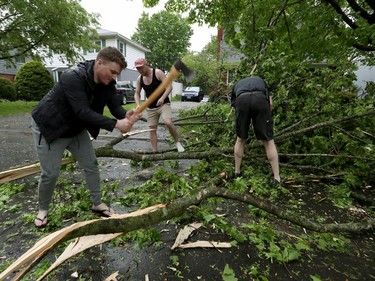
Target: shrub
33 81
7 89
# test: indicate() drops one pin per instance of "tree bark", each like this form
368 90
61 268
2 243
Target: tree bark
162 212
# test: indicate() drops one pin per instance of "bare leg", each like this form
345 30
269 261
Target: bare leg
154 138
171 128
273 157
238 154
173 131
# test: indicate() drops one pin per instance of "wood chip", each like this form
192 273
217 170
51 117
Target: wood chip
185 233
112 277
205 244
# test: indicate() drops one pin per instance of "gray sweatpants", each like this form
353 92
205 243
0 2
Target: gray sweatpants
50 156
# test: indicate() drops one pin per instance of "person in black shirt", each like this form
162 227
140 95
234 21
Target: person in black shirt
253 105
149 79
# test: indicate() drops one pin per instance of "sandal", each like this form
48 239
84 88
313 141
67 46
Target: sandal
103 213
42 225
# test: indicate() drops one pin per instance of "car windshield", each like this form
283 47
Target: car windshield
124 85
192 89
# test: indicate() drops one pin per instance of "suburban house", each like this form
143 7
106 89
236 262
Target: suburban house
8 70
130 49
229 55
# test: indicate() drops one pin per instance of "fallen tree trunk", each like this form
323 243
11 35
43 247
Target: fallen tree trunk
162 212
25 171
108 151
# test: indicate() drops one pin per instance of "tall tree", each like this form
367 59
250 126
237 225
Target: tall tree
206 67
166 34
39 28
282 41
325 29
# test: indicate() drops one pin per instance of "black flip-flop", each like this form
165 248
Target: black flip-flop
42 220
102 213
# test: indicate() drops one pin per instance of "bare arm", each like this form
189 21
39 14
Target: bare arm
270 99
137 94
161 76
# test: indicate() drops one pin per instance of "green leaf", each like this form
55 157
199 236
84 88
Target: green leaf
315 278
228 274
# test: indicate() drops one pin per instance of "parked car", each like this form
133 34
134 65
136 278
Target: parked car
192 93
125 92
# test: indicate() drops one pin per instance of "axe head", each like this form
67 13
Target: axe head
188 73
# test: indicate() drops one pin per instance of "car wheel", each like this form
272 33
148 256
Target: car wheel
124 100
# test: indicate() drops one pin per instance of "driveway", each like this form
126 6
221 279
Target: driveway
17 146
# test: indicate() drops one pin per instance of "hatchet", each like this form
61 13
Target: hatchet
178 67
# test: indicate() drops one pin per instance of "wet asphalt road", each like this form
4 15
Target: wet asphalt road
17 146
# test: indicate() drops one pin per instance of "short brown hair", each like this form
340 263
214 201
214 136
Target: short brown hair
111 54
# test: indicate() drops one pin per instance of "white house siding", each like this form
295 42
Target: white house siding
132 54
177 89
107 38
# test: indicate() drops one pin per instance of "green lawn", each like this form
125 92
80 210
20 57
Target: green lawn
8 108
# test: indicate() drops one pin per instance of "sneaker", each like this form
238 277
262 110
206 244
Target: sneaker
179 147
237 175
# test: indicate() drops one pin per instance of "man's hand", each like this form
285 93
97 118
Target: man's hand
160 102
125 125
133 116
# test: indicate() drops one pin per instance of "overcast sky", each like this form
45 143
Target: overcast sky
122 16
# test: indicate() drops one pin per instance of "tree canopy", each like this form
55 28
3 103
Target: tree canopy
323 129
206 67
167 35
310 30
39 28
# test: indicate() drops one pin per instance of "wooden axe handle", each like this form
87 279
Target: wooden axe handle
173 73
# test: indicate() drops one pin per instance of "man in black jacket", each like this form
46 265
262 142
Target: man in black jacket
66 116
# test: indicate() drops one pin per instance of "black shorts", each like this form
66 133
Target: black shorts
254 108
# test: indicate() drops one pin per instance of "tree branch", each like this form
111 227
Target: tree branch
360 11
162 212
371 4
324 124
335 5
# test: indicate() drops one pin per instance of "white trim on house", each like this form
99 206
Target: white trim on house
130 49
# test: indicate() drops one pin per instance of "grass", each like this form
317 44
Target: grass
9 108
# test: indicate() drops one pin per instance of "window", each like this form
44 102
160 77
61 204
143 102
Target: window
20 59
99 44
121 47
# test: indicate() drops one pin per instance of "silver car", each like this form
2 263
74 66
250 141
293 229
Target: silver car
125 92
192 94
